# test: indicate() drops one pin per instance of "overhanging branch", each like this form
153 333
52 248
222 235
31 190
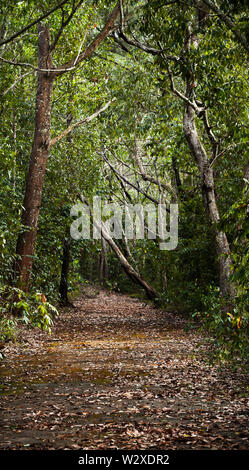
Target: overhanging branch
135 42
38 20
79 123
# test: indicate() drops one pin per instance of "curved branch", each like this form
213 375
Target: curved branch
79 123
150 178
139 190
109 26
15 82
72 64
14 36
128 269
64 24
139 45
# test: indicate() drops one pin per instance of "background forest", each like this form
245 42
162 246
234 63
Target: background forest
134 101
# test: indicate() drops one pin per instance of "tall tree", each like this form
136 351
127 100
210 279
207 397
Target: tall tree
204 164
194 109
41 143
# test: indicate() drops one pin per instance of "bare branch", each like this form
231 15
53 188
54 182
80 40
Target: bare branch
143 47
64 24
15 82
211 136
119 42
147 177
139 190
199 110
128 182
21 64
142 172
221 154
159 183
33 67
109 26
136 43
79 123
129 270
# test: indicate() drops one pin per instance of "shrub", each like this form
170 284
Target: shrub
229 330
31 309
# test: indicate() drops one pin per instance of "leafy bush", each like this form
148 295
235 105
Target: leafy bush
30 309
229 330
8 329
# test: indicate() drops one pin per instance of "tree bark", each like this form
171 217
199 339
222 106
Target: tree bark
38 161
129 271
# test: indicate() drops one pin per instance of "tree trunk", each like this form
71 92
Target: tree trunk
246 175
63 289
37 167
209 201
103 265
14 148
206 171
41 143
164 281
177 177
128 269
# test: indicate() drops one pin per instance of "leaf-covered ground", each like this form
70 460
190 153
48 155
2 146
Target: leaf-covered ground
117 373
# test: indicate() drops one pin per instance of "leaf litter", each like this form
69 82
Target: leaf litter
117 373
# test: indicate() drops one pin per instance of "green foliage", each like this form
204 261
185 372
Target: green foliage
236 221
8 328
229 330
31 309
147 110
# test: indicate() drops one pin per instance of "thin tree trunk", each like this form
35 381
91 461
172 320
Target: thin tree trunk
103 265
91 269
14 147
38 161
128 269
177 177
63 289
246 175
164 281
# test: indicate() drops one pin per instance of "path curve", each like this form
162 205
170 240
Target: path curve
119 374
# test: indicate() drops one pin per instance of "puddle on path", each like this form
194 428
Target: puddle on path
97 362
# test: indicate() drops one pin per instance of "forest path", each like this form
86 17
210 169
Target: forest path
117 373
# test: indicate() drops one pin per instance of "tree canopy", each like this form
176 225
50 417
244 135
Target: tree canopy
135 102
